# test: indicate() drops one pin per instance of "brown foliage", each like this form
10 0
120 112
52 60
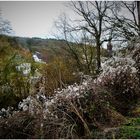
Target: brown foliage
58 74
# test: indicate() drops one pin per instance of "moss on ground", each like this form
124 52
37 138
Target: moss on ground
130 130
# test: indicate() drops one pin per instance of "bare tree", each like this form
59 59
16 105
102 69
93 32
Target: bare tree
5 26
94 21
79 44
125 21
104 21
138 10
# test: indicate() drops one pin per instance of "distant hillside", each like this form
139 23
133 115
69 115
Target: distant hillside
35 44
9 47
48 48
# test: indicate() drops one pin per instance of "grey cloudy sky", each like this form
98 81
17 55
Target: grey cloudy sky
33 19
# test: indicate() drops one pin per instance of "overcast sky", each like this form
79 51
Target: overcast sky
33 19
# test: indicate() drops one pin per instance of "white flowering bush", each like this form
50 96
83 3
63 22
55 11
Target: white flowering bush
136 57
120 78
72 112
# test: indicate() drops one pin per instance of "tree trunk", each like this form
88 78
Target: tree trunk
138 9
98 56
